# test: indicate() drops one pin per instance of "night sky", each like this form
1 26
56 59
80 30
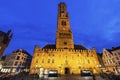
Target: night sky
94 23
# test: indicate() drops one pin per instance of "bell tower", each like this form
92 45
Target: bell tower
64 38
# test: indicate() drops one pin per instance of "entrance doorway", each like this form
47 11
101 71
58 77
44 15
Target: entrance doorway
67 71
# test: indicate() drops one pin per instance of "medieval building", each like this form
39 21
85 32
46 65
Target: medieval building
64 56
4 41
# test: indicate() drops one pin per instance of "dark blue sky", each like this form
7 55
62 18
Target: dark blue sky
95 23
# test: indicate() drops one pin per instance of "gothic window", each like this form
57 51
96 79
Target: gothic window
66 62
63 23
52 60
48 60
42 60
38 54
62 11
36 61
88 62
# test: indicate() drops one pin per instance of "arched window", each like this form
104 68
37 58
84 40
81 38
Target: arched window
42 60
52 60
48 60
63 23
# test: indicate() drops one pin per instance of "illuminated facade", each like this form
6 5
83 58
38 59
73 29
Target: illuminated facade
111 59
64 56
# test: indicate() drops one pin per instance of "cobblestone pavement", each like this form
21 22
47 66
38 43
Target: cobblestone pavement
45 77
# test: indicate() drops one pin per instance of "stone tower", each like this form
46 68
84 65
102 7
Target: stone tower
5 38
64 38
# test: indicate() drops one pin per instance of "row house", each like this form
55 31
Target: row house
111 59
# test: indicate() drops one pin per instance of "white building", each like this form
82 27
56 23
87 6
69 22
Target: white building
18 61
111 59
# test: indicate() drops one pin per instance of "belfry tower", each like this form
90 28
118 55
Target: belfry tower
64 38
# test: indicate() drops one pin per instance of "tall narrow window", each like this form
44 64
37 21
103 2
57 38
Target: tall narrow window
52 60
42 60
36 61
48 60
63 23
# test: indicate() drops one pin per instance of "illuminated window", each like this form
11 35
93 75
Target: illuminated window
49 55
36 61
52 60
88 62
66 62
53 54
42 60
38 54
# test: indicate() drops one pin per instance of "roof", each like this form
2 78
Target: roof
23 51
80 47
50 46
115 48
53 46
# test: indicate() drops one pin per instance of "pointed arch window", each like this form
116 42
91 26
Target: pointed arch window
63 23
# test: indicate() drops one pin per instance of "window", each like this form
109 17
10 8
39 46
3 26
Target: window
88 62
52 60
22 58
63 23
48 60
66 62
38 54
16 63
65 43
49 55
42 60
117 58
18 57
53 54
19 53
36 61
62 11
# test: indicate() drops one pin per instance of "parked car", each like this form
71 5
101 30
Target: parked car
52 73
87 75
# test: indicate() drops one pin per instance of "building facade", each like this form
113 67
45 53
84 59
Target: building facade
18 61
111 59
64 56
4 41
